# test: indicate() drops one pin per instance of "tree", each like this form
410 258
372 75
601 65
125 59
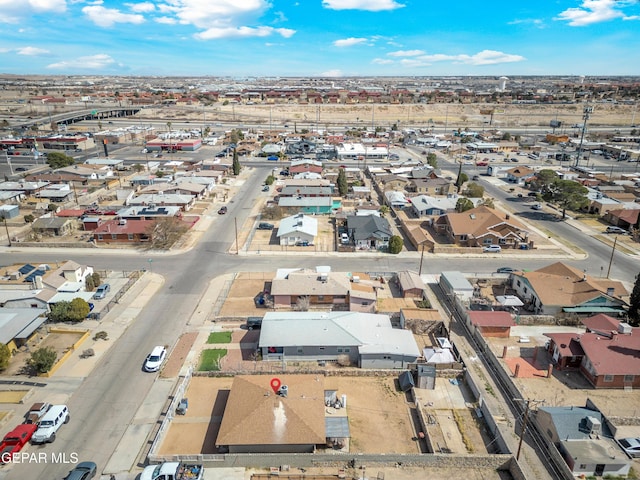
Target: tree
236 163
5 356
488 202
543 180
74 311
384 209
164 232
463 204
506 136
88 284
42 359
474 190
59 160
634 304
138 168
270 179
96 278
569 195
343 186
432 159
462 177
395 244
29 218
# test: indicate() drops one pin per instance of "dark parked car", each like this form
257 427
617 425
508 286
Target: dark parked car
222 210
265 226
83 471
505 270
265 188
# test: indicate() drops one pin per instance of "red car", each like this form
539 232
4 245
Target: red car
15 440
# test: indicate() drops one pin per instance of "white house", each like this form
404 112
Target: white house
296 229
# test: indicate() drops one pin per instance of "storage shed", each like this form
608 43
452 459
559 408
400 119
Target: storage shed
9 211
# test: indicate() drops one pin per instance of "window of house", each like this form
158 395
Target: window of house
300 350
386 357
340 350
130 236
347 350
487 241
114 236
525 290
100 237
320 298
629 378
321 348
518 282
502 241
608 378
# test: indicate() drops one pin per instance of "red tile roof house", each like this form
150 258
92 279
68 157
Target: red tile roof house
492 324
607 354
123 231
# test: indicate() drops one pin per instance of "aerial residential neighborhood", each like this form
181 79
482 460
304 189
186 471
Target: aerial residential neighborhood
311 279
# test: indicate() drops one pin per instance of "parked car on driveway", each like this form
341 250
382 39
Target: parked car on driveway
630 445
102 291
612 229
492 249
265 226
265 188
537 206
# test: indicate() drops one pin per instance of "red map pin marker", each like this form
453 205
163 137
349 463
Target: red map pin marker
275 384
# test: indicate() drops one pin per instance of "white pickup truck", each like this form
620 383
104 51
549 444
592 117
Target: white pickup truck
172 471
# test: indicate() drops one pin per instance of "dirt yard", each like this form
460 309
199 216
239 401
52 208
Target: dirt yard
240 299
61 342
378 416
178 355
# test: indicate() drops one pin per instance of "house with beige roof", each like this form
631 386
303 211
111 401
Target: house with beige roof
259 418
482 226
520 175
325 289
559 288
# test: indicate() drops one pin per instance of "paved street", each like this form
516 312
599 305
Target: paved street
117 399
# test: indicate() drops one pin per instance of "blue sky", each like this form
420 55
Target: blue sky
320 37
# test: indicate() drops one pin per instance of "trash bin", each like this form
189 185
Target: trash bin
182 407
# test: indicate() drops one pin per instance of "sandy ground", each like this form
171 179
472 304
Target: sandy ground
378 416
60 342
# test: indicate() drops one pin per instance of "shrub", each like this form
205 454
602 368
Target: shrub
42 359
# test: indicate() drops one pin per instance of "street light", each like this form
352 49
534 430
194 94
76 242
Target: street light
586 115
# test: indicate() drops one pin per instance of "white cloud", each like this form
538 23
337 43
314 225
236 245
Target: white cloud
369 5
92 62
12 11
31 51
592 11
108 17
536 22
406 53
349 42
143 7
166 20
382 61
239 32
332 73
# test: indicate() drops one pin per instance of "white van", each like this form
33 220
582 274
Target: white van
50 423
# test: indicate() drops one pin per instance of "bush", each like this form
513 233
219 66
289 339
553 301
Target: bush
42 359
5 356
29 218
74 311
395 244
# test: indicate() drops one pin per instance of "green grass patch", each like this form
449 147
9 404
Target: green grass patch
219 337
210 359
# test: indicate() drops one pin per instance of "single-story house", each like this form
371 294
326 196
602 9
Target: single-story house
520 175
369 232
606 356
561 288
54 226
265 417
18 324
123 231
297 228
583 437
410 284
492 323
366 339
185 202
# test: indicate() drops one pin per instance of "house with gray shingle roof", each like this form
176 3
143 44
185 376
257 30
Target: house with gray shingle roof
582 436
369 232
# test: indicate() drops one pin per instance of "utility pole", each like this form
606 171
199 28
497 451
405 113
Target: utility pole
587 114
235 223
525 419
7 228
421 258
613 251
